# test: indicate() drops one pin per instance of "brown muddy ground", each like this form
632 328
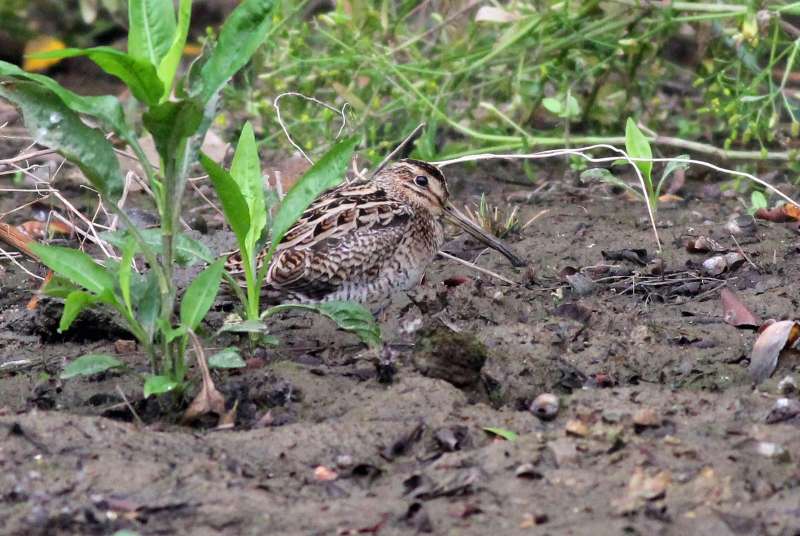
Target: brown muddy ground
660 429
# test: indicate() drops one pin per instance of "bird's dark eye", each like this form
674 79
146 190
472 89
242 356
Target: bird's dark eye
421 180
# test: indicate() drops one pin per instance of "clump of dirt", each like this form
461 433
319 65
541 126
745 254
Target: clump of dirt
658 427
454 357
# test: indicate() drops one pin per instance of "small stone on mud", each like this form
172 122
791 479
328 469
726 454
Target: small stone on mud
531 520
454 357
527 470
344 461
545 406
784 409
787 385
646 418
575 427
324 474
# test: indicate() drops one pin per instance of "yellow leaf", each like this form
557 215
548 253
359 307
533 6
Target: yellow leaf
38 45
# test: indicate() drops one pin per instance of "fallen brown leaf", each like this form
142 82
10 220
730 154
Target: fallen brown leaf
209 399
735 312
777 337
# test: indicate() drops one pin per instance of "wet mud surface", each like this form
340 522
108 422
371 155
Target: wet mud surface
659 431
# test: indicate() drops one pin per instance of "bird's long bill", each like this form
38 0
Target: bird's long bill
454 216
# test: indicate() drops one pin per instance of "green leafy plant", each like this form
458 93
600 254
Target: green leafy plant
178 124
757 201
241 194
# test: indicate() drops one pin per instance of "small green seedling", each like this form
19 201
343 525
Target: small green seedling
757 201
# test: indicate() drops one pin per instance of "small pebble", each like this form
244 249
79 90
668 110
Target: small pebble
527 470
324 474
646 418
576 428
343 461
545 406
787 385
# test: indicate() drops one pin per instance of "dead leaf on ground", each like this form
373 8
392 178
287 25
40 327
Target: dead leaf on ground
777 337
209 399
39 230
735 312
781 214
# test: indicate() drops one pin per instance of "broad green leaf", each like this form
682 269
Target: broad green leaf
76 301
157 385
54 125
140 76
169 63
508 435
106 108
59 287
89 364
199 296
246 171
233 202
241 34
325 174
572 109
171 123
227 358
553 105
757 201
347 315
76 266
187 250
637 146
151 29
124 274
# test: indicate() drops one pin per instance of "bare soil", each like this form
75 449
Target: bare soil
660 429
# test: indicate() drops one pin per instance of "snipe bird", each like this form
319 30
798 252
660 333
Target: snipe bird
363 240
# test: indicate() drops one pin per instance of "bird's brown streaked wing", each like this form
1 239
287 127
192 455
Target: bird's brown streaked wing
320 267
